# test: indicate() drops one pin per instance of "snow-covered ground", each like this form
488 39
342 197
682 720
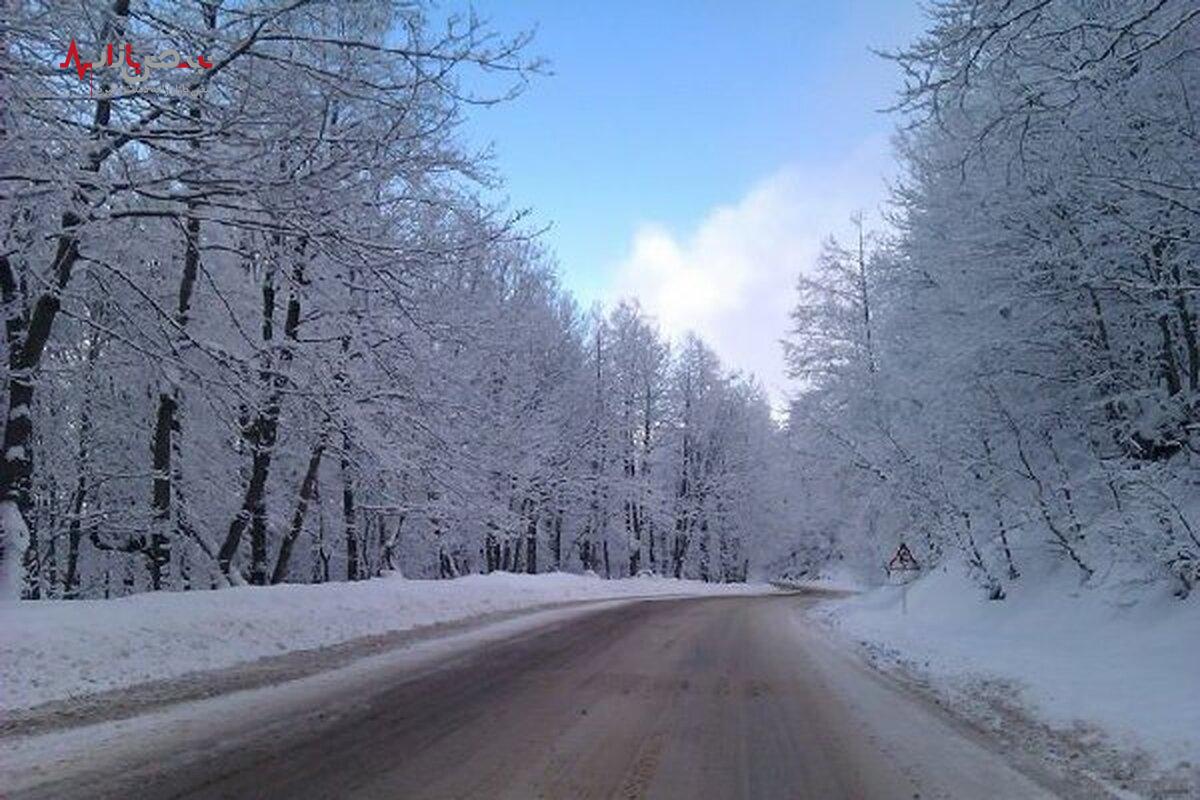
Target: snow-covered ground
1118 668
55 650
830 579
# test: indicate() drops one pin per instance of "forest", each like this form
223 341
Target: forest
264 325
1006 371
265 321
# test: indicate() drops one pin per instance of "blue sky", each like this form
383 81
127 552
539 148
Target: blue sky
674 138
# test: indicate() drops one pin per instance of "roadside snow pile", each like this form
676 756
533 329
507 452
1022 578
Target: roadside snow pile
1080 656
834 579
54 650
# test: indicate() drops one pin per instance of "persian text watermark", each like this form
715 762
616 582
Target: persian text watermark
133 73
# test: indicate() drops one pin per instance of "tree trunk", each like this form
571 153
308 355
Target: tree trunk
387 560
491 553
556 539
320 553
651 551
531 563
27 338
633 512
74 536
1013 572
260 435
349 516
83 466
262 440
167 424
679 551
263 432
307 486
158 549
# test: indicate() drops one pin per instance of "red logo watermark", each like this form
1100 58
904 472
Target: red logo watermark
134 72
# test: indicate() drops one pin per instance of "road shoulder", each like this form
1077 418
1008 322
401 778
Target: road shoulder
1080 760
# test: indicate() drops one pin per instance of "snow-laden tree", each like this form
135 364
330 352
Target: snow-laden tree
261 325
1033 323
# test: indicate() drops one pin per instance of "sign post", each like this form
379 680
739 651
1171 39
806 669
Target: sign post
903 566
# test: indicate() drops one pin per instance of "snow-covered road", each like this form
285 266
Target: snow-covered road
721 697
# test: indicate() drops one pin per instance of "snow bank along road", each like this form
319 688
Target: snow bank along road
715 697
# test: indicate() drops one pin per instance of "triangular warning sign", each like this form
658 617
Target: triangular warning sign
903 560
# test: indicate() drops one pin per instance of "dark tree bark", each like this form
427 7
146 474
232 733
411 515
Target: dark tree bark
167 429
680 550
652 549
387 559
320 552
307 487
531 560
491 553
27 335
349 516
263 432
633 514
158 549
556 539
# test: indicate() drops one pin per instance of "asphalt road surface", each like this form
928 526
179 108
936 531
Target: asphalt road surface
730 697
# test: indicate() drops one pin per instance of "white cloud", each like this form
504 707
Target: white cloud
731 279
